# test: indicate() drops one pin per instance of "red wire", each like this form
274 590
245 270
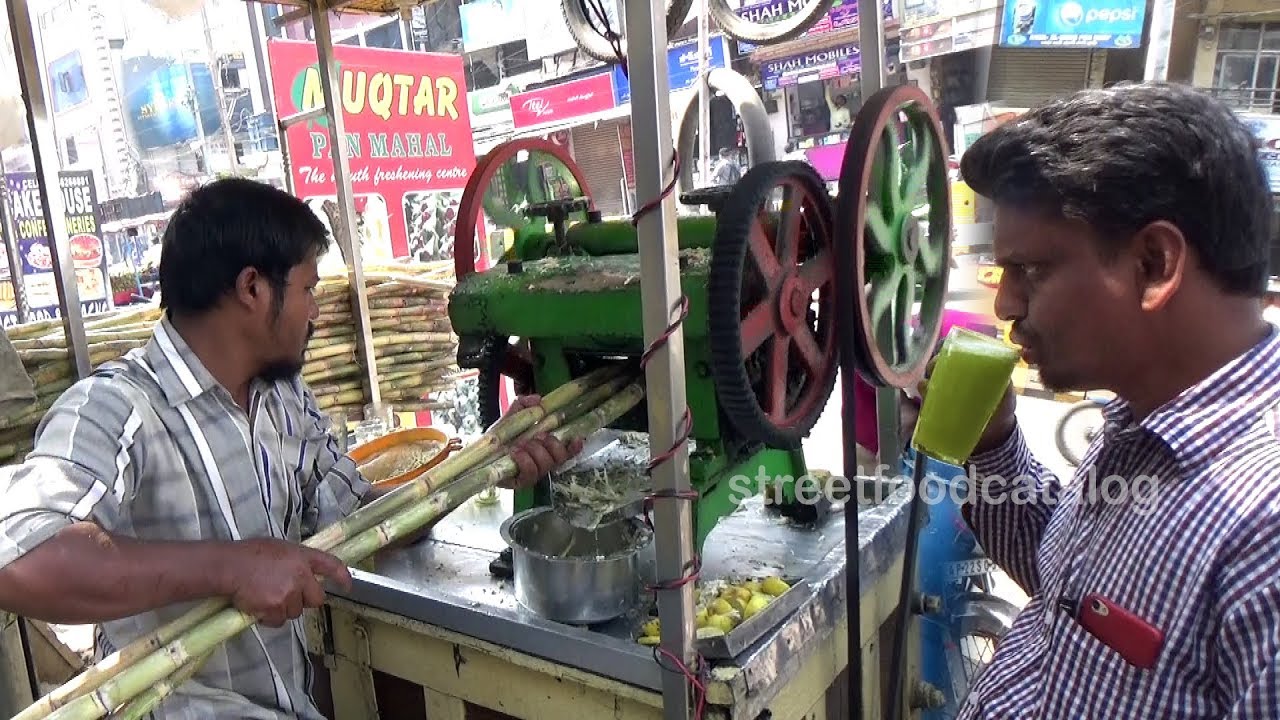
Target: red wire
671 186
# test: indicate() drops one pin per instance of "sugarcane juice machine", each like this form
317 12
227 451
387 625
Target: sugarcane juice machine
777 279
568 288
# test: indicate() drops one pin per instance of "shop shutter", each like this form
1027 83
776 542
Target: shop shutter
598 155
1023 77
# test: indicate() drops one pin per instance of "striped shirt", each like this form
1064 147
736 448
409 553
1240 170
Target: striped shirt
1199 559
152 447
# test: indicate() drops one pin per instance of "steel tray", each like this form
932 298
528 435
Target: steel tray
733 643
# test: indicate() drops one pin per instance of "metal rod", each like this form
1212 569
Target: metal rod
1160 38
665 374
219 93
906 593
704 95
347 241
871 47
51 201
290 120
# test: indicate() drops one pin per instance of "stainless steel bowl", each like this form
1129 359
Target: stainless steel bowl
572 575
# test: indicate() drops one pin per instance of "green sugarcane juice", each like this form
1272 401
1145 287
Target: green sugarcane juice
965 388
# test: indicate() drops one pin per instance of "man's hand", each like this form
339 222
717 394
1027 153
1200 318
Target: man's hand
275 580
539 455
1001 425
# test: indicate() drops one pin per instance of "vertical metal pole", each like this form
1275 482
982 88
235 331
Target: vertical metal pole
665 373
871 47
40 127
342 183
219 94
1159 39
704 95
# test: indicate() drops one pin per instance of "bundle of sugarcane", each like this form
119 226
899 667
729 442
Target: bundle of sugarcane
414 345
132 681
42 348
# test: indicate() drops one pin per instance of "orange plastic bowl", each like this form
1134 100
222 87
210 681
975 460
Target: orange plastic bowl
362 453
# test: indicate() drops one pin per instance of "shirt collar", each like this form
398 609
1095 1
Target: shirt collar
179 372
1196 423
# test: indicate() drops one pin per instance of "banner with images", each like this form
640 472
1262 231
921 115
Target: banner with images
35 251
930 28
1266 128
408 134
1073 23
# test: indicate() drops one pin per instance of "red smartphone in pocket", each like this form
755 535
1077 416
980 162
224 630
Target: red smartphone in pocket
1133 638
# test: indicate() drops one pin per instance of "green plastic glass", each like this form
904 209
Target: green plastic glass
969 379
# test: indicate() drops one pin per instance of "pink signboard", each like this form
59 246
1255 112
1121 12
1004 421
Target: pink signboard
827 160
562 102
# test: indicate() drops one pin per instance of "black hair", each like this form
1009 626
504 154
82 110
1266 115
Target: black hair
1123 157
226 226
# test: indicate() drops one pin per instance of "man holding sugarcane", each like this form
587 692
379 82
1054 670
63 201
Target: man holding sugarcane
195 467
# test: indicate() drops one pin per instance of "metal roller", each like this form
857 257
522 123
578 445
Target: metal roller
740 28
748 105
596 45
772 303
895 203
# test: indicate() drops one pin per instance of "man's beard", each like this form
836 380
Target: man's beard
287 369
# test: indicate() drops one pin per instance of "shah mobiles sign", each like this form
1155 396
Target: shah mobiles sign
408 135
1073 23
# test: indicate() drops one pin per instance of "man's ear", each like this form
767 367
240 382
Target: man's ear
251 289
1161 255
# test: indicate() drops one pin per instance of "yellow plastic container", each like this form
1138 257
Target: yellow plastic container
971 375
365 452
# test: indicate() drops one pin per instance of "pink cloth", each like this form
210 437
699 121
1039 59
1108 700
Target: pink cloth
865 432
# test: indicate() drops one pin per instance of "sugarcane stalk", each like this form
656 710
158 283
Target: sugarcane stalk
385 303
321 351
410 339
142 705
347 396
227 623
414 311
31 329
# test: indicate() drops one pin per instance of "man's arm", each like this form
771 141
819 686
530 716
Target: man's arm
1248 589
61 559
1012 500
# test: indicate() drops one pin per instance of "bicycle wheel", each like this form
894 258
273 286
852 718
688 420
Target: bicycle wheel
1087 414
979 623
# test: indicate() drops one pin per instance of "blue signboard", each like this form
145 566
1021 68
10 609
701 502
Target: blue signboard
160 97
682 67
1073 23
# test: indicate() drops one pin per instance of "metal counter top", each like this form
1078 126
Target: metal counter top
445 581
